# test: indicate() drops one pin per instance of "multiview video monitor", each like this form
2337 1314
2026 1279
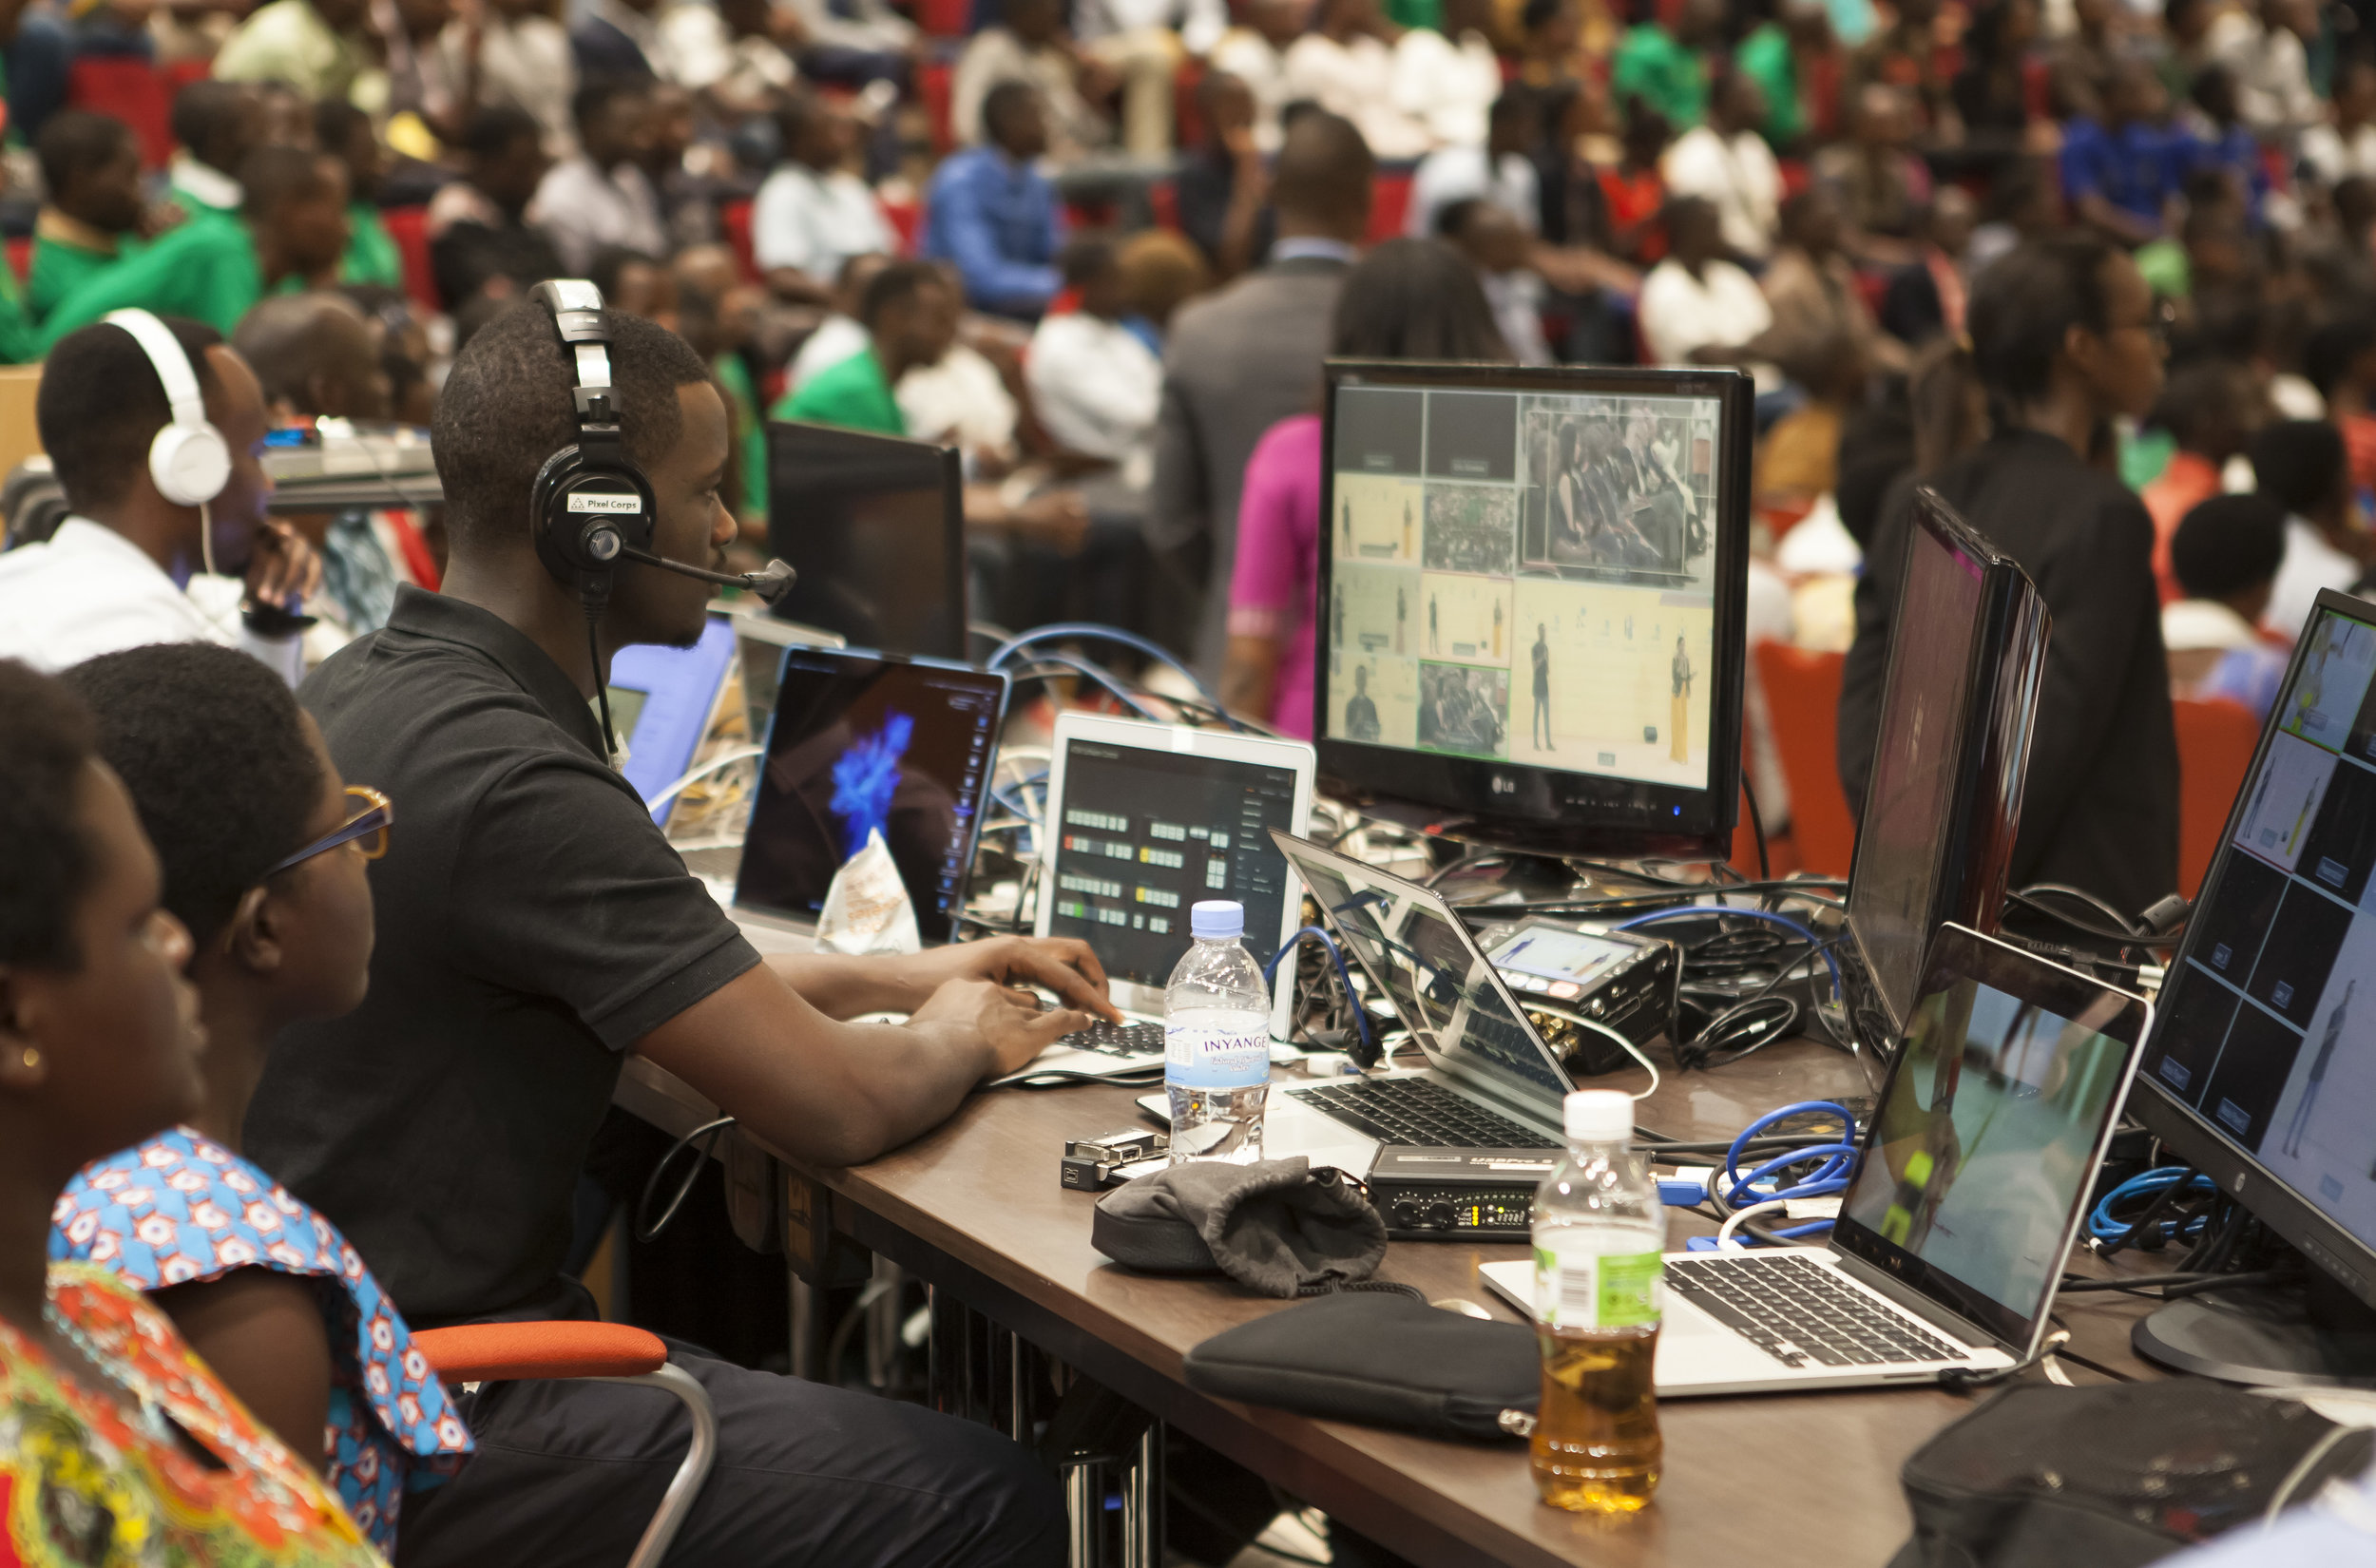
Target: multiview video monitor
876 525
1532 589
1934 842
2261 1068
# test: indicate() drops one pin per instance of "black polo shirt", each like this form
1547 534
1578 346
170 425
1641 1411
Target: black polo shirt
533 925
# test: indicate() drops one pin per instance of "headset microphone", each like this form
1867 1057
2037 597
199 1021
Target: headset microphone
771 583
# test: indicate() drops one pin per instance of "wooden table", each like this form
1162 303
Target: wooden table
975 1210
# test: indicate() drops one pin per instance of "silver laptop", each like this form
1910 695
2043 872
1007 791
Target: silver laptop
1490 1081
1142 821
1970 1186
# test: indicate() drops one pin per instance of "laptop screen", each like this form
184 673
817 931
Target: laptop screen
1146 832
863 742
1990 1128
1442 985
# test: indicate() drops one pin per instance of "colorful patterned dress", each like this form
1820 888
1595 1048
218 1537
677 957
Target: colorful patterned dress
180 1208
84 1484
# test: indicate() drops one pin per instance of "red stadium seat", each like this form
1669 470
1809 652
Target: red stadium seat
943 18
735 218
905 216
2216 741
1803 695
936 89
21 258
134 92
408 228
1389 203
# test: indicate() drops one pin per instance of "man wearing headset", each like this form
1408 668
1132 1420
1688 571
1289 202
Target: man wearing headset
534 926
153 425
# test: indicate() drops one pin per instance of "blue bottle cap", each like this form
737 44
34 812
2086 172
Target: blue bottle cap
1218 917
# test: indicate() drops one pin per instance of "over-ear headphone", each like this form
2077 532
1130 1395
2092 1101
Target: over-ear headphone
592 505
189 461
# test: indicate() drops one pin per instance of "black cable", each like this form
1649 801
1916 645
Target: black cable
1756 820
710 1130
2063 889
2086 927
601 682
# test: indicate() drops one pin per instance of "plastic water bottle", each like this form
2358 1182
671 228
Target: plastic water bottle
1599 1289
1217 1041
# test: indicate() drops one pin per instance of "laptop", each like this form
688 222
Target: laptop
1491 1084
1142 821
1971 1182
863 742
662 702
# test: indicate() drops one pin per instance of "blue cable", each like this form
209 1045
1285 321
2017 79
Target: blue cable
1830 1177
2102 1227
1112 634
1711 911
1096 673
1352 998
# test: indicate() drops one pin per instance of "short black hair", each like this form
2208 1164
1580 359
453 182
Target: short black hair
1451 217
2327 357
213 747
494 130
1324 170
1088 258
1517 101
504 409
74 141
206 112
2197 396
1003 100
274 175
335 120
2228 544
593 99
2023 307
896 284
100 404
610 260
1415 299
2298 461
45 748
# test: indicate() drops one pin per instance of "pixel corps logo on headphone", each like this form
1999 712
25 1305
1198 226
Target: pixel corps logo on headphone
591 504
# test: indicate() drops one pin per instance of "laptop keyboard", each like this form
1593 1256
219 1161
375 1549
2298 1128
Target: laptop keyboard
1797 1310
1418 1111
1118 1040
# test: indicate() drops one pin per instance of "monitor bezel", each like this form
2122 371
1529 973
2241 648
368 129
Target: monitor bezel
1525 806
784 536
2007 660
997 679
1957 952
2195 1138
1169 740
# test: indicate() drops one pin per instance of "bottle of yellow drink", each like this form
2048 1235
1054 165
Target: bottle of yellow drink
1597 1232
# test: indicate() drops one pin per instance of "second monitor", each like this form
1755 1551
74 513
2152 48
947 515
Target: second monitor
1532 593
876 525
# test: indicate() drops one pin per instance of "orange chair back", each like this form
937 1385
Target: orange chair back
1803 695
2216 741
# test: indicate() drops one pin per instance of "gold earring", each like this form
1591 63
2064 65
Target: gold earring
31 1058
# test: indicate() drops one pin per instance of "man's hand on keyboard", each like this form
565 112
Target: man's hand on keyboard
1062 965
1006 1016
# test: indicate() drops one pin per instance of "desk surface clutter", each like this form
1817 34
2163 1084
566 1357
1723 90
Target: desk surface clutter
975 1207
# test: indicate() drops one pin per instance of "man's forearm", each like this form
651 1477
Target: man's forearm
839 985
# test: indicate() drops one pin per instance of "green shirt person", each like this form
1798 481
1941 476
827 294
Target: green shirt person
749 429
910 312
372 255
855 394
213 269
90 164
1669 70
347 134
1765 58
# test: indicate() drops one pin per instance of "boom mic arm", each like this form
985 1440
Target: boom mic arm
771 583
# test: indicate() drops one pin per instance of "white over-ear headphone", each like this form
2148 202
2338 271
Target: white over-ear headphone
189 460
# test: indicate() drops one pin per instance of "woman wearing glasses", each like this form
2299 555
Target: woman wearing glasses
263 849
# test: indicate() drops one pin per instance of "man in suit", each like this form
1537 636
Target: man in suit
1239 362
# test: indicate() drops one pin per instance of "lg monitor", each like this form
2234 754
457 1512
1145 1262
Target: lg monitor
865 743
876 525
1934 843
2261 1066
1532 586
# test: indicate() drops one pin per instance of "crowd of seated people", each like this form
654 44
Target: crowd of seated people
2102 275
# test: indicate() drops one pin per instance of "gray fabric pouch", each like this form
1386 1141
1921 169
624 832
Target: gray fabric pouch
1276 1226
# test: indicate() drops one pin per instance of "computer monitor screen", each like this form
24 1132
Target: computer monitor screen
2263 1062
861 743
1144 833
1989 1130
1531 596
876 527
662 703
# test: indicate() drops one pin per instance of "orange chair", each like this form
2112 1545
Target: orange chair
601 1353
1803 695
2216 741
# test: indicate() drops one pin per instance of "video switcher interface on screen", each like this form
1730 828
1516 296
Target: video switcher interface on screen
1147 833
1528 577
2268 1027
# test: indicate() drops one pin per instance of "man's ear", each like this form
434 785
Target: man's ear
255 936
24 1066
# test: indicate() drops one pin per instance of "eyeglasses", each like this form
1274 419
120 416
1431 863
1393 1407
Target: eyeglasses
2157 324
367 830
